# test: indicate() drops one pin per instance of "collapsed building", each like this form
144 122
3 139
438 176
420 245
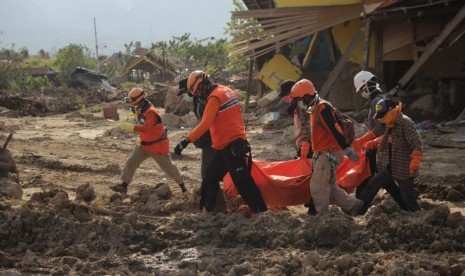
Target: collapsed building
414 47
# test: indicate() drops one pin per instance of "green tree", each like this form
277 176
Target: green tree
72 56
9 67
208 54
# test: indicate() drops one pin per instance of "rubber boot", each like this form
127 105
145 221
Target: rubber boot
183 187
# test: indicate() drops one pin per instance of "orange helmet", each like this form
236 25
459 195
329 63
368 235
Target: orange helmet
135 96
302 88
194 80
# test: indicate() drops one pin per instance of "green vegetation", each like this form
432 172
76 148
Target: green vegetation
72 56
209 54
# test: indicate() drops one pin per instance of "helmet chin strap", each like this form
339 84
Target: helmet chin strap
313 101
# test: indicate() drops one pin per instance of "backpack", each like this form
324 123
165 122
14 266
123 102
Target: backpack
344 121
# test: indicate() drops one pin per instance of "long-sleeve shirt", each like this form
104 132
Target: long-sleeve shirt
405 139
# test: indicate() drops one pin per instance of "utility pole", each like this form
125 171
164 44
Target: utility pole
96 46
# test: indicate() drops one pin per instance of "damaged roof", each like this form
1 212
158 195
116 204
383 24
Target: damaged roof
147 62
276 23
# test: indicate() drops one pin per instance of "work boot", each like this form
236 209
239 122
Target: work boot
311 209
356 209
183 187
120 188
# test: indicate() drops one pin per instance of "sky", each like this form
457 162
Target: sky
53 24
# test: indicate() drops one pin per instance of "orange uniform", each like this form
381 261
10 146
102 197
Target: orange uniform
322 137
151 129
222 117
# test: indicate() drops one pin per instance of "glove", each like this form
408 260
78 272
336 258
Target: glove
360 142
304 149
373 144
353 156
182 145
126 127
415 159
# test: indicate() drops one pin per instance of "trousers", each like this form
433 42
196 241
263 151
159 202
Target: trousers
139 155
230 159
323 185
402 191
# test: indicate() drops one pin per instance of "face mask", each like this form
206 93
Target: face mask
187 98
302 105
364 92
134 110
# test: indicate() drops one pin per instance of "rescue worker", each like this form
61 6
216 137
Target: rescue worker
399 153
367 85
223 118
204 142
329 147
301 118
153 143
302 140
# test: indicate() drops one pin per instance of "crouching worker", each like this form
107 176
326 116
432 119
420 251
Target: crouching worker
153 143
398 156
223 117
329 147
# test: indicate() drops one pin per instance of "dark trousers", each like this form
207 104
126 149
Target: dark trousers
207 154
230 159
371 157
403 194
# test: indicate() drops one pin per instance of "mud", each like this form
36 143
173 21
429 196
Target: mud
69 222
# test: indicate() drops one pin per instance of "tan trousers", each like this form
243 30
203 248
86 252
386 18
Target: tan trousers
139 155
324 188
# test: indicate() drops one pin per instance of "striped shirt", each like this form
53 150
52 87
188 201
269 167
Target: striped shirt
405 139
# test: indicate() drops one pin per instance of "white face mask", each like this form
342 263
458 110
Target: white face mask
187 98
365 94
302 105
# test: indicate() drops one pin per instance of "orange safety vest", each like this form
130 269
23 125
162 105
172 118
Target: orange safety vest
228 125
322 138
156 132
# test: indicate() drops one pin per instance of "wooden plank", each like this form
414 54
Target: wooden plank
325 18
284 12
429 51
268 21
269 31
310 49
249 86
378 51
366 48
324 92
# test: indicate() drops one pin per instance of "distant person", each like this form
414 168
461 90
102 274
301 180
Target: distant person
367 85
204 142
329 147
154 142
223 118
398 157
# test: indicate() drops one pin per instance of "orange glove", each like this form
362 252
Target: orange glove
373 144
304 149
415 159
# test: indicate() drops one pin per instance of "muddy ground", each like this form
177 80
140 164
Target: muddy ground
69 222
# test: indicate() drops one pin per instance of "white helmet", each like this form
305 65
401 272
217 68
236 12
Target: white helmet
360 81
